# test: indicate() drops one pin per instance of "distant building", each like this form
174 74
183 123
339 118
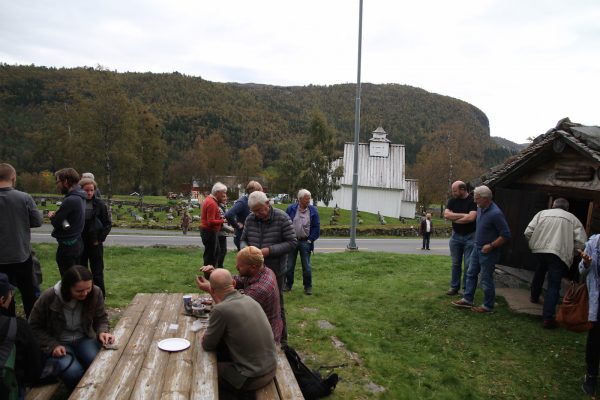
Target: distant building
381 183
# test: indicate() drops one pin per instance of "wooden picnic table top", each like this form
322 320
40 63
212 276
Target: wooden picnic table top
138 369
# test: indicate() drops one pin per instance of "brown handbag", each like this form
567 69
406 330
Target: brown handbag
573 312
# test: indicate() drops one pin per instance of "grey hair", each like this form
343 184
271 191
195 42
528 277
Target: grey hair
257 197
302 193
483 191
218 187
88 175
561 203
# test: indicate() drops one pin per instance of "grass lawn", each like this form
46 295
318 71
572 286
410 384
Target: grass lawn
391 312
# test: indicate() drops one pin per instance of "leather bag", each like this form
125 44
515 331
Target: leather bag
573 312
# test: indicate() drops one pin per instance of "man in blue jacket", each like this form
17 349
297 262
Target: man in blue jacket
68 221
307 226
492 232
236 215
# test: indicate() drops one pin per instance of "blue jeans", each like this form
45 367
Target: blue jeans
82 353
484 263
303 248
461 246
556 269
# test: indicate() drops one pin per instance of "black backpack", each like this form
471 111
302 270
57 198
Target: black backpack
312 384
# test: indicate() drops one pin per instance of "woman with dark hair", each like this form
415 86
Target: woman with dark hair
96 228
70 323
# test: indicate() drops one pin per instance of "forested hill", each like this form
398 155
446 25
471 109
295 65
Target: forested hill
43 105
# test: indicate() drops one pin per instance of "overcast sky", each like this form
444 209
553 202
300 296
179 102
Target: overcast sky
525 63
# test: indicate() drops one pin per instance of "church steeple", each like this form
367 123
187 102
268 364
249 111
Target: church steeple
379 144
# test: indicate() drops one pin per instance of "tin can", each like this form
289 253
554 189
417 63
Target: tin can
187 303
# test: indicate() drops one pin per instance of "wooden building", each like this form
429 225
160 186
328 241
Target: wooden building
563 162
382 186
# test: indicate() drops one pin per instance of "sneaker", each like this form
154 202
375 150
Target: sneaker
287 289
308 291
589 385
481 310
462 303
452 292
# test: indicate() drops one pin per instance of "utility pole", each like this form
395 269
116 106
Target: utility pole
352 245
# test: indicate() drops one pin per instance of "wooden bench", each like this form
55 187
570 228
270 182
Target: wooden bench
45 392
284 386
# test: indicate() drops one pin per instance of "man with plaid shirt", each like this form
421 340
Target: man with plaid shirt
254 280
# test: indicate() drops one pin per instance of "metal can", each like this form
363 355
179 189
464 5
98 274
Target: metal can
187 303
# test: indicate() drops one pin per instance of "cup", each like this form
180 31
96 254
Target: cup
198 310
187 303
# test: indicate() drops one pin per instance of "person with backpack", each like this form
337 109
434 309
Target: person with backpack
70 323
20 355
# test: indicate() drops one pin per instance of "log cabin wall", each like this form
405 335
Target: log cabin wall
533 187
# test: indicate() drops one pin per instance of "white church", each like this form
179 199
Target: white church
382 186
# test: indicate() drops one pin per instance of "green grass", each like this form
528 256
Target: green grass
392 311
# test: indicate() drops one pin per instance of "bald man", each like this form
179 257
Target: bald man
239 324
254 280
462 211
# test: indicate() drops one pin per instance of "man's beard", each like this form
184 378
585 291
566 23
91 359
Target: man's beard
64 190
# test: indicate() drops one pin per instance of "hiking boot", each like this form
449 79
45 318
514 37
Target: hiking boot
308 291
534 300
589 385
452 292
549 324
462 303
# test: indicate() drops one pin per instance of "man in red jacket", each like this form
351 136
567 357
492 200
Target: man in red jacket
211 221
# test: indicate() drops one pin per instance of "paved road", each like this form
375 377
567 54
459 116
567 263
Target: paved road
140 237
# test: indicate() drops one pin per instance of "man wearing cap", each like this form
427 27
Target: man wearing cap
19 214
28 357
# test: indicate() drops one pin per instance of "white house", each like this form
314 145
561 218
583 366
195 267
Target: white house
381 183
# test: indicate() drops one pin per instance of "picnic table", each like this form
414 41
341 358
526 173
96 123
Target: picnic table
138 369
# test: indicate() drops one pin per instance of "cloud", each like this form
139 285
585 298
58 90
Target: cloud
525 64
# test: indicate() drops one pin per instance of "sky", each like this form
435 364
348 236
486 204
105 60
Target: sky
525 63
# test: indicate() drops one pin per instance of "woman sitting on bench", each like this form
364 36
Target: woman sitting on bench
70 323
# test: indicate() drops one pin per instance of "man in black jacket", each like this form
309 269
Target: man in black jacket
271 230
68 221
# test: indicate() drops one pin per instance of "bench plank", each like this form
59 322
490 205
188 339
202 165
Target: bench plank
268 392
100 371
43 392
285 380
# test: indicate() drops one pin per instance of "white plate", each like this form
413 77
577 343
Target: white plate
174 344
